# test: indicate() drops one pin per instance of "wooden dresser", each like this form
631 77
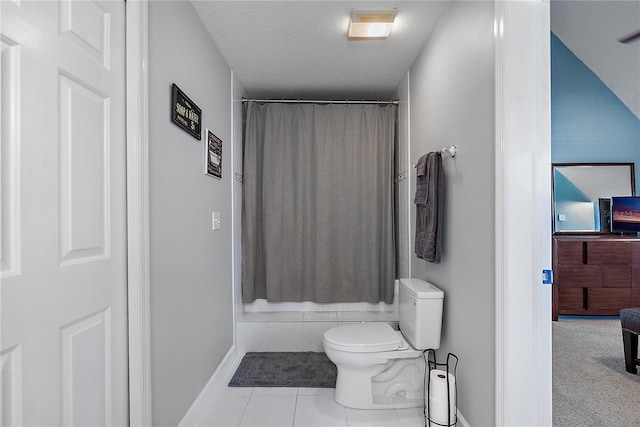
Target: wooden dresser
595 274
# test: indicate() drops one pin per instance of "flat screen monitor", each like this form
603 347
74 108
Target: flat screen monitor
625 214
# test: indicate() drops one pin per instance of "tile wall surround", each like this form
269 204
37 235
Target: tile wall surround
264 326
297 331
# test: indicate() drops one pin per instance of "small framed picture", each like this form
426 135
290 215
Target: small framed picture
213 155
185 113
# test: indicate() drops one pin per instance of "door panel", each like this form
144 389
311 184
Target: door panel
87 23
63 329
11 360
84 143
10 155
86 380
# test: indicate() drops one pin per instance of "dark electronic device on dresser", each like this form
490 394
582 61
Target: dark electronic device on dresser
625 215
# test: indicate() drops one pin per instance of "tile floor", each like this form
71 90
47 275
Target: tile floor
222 406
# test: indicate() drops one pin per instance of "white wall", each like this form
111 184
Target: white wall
191 265
452 102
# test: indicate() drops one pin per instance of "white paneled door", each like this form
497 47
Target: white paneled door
63 294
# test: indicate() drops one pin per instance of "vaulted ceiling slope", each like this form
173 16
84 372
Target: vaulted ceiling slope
591 29
299 49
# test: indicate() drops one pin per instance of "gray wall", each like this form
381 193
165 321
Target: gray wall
238 94
402 171
191 266
452 102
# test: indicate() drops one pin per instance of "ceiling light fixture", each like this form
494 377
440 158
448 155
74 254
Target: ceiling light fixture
371 24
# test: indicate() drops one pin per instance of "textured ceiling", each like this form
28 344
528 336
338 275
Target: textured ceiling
299 49
591 29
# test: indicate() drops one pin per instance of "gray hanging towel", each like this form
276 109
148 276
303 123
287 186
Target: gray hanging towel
429 199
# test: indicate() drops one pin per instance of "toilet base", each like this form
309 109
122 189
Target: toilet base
395 385
382 402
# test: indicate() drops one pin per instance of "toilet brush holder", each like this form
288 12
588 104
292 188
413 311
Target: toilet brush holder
441 391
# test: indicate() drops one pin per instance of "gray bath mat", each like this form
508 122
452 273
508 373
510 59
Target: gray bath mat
285 369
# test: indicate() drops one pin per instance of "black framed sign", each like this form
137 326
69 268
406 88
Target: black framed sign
213 155
185 113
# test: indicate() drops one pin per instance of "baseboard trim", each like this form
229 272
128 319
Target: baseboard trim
191 417
461 421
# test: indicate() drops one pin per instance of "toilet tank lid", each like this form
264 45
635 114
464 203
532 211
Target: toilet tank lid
421 289
364 337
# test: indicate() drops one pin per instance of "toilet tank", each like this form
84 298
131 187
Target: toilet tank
420 307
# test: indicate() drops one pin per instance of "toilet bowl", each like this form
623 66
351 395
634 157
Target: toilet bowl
379 367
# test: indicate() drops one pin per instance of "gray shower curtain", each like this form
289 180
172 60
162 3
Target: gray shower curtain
317 217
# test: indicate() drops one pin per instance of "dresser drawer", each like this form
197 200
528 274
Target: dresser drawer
616 276
570 253
608 298
578 275
635 276
572 299
600 253
635 253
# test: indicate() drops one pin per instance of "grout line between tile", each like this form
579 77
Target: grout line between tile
295 408
245 409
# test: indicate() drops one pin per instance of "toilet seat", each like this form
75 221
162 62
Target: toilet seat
365 338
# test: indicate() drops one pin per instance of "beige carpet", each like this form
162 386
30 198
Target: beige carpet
590 384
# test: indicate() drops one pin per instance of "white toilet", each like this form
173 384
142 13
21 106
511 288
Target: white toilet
379 367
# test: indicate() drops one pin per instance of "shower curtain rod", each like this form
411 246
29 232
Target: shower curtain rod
319 101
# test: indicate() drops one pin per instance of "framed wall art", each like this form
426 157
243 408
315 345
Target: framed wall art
185 113
213 155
